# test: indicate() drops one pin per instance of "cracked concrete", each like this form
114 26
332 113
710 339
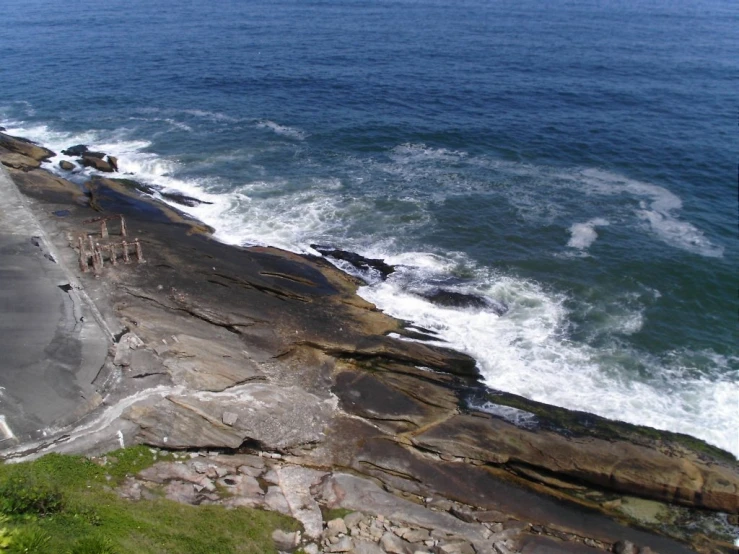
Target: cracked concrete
52 345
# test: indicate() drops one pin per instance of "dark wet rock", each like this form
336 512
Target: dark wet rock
183 199
92 154
76 150
25 147
96 163
453 299
66 165
133 185
113 161
124 196
358 261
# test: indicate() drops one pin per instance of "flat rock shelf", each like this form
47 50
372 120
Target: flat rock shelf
277 386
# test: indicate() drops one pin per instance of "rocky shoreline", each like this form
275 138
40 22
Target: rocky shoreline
235 351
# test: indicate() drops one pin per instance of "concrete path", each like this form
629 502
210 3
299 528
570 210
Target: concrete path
51 345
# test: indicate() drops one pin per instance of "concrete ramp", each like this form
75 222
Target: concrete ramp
51 345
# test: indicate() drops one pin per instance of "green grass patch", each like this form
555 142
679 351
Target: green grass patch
335 513
65 504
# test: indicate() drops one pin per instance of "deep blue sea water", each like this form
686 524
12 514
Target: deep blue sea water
573 159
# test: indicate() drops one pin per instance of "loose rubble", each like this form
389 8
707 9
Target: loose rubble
322 502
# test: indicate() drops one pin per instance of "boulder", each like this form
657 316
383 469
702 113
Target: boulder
284 541
66 165
96 163
359 262
296 483
182 199
76 150
113 161
25 147
19 161
453 299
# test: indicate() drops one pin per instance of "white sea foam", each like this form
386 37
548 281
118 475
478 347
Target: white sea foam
283 130
528 351
410 153
659 210
173 123
583 234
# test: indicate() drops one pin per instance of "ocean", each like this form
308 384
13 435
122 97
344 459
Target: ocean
574 161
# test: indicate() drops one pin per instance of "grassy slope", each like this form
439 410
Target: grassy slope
88 508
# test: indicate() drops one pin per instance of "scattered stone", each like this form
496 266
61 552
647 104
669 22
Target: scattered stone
353 519
179 491
311 548
274 500
96 163
230 418
625 547
77 150
335 527
366 547
296 483
455 548
417 535
344 544
464 515
285 541
394 545
66 165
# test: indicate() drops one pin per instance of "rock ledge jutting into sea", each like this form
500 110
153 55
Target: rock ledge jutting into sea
221 352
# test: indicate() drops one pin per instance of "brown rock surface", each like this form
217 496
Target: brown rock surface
25 147
217 317
619 465
96 163
18 161
274 416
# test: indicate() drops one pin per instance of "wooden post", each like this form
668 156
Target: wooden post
113 254
123 227
139 252
100 256
104 229
83 256
126 259
95 261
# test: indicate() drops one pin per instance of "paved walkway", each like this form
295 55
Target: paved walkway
51 346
